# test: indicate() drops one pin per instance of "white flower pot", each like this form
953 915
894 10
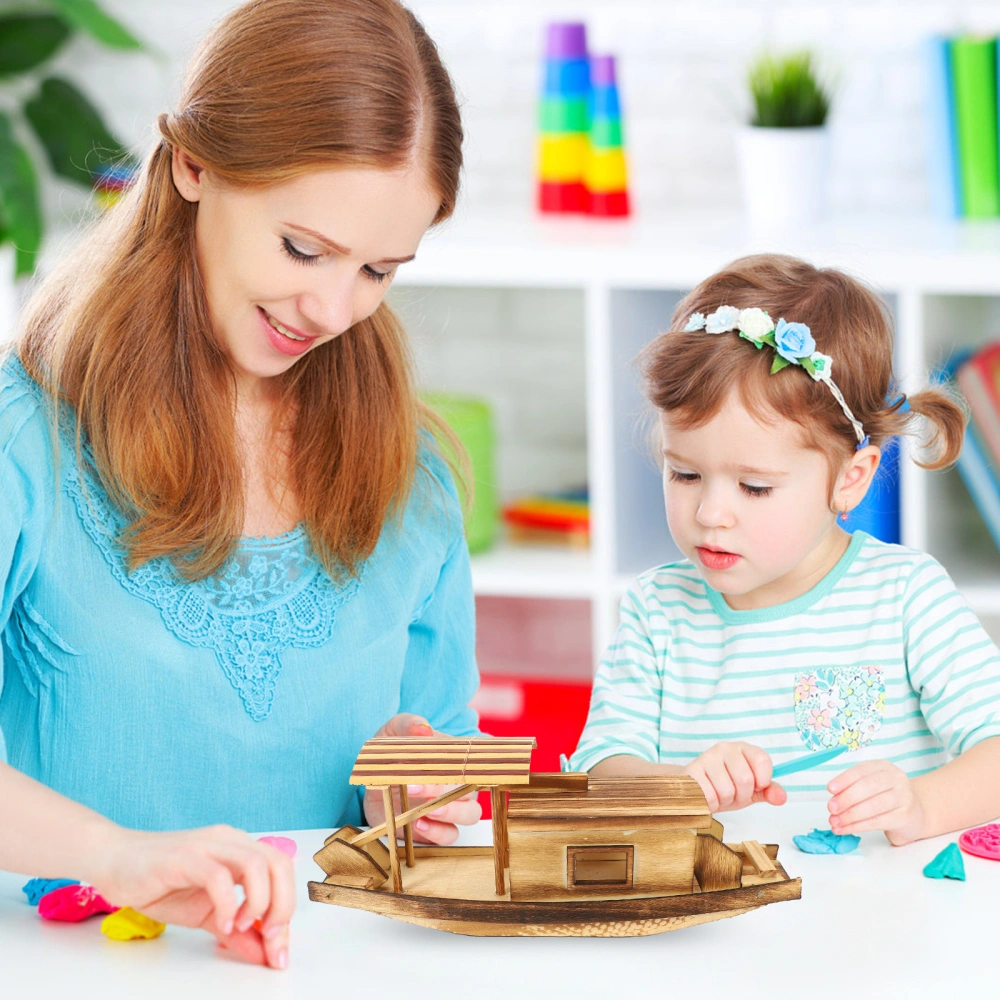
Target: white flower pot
784 174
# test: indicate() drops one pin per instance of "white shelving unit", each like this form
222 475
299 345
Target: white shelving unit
618 284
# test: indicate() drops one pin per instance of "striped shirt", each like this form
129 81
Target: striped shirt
685 671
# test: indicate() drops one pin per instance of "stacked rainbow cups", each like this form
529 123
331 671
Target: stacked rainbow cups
581 157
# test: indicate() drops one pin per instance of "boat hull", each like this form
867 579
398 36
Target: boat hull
630 917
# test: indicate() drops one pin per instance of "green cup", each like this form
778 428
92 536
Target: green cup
472 421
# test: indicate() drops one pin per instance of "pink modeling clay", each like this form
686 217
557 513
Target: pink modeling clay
284 844
983 841
73 903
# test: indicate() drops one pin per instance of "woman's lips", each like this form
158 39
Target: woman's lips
715 559
286 345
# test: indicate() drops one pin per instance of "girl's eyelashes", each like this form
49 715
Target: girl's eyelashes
291 250
747 488
373 275
683 477
300 257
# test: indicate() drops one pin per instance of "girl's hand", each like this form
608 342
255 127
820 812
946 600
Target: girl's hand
733 775
438 827
189 878
876 795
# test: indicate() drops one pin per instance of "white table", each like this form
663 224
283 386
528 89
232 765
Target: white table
868 925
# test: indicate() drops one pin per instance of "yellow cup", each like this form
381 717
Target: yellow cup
605 170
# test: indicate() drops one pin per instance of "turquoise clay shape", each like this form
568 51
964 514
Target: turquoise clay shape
826 842
948 864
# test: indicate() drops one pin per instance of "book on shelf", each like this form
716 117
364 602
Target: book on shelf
942 136
975 374
974 76
980 478
977 377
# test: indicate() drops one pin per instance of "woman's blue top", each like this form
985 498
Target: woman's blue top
239 699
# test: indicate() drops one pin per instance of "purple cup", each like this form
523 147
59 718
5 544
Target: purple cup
566 40
602 71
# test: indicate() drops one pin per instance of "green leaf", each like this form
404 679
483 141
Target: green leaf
779 363
26 40
19 202
808 365
768 338
786 92
72 131
88 17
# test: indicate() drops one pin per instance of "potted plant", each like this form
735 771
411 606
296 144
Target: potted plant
68 132
783 151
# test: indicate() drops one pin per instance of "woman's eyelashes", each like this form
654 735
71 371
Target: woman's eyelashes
301 257
750 489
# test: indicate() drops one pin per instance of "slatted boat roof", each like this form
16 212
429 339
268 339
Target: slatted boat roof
444 760
670 799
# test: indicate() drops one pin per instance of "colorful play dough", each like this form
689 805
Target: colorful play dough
982 841
35 888
127 924
826 842
948 864
73 903
284 844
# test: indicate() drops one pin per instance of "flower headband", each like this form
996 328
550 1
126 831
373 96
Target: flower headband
792 342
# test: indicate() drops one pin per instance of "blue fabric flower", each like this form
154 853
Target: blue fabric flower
793 340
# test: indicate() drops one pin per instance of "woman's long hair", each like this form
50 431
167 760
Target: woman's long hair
121 329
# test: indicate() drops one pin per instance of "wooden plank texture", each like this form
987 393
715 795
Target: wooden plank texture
444 760
758 858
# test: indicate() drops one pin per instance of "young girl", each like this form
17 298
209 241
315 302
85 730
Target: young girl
780 633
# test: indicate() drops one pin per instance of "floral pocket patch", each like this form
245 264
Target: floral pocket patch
839 706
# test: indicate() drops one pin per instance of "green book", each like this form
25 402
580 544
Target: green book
974 68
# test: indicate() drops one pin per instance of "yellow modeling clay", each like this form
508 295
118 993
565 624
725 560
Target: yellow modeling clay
127 924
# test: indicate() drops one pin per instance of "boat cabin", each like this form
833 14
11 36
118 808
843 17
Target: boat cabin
626 836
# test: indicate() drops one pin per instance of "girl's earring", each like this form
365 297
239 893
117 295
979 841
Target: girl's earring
843 513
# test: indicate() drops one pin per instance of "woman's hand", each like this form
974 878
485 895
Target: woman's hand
440 826
189 878
876 795
734 775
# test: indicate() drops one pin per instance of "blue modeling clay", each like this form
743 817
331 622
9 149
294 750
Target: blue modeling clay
38 887
947 864
826 842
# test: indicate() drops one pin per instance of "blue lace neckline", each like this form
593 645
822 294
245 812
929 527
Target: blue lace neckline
271 594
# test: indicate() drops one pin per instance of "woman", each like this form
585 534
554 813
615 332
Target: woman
241 555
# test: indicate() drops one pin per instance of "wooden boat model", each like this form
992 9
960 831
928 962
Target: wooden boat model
571 855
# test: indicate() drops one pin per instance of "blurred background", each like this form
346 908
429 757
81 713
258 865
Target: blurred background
596 192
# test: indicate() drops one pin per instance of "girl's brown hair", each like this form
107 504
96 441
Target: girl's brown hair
690 375
121 330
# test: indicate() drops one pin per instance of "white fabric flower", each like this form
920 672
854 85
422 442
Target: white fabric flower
755 323
822 363
695 322
723 320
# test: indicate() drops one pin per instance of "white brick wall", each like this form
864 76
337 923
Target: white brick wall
682 65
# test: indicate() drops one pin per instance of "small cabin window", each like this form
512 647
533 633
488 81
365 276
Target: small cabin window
590 866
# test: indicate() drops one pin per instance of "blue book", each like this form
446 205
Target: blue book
974 467
942 134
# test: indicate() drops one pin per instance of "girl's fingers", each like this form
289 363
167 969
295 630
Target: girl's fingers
854 774
254 874
725 790
698 773
276 948
883 802
217 882
760 763
884 821
431 831
282 894
243 947
864 788
773 795
742 777
463 811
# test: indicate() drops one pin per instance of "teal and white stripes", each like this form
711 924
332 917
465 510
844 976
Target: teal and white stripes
685 671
